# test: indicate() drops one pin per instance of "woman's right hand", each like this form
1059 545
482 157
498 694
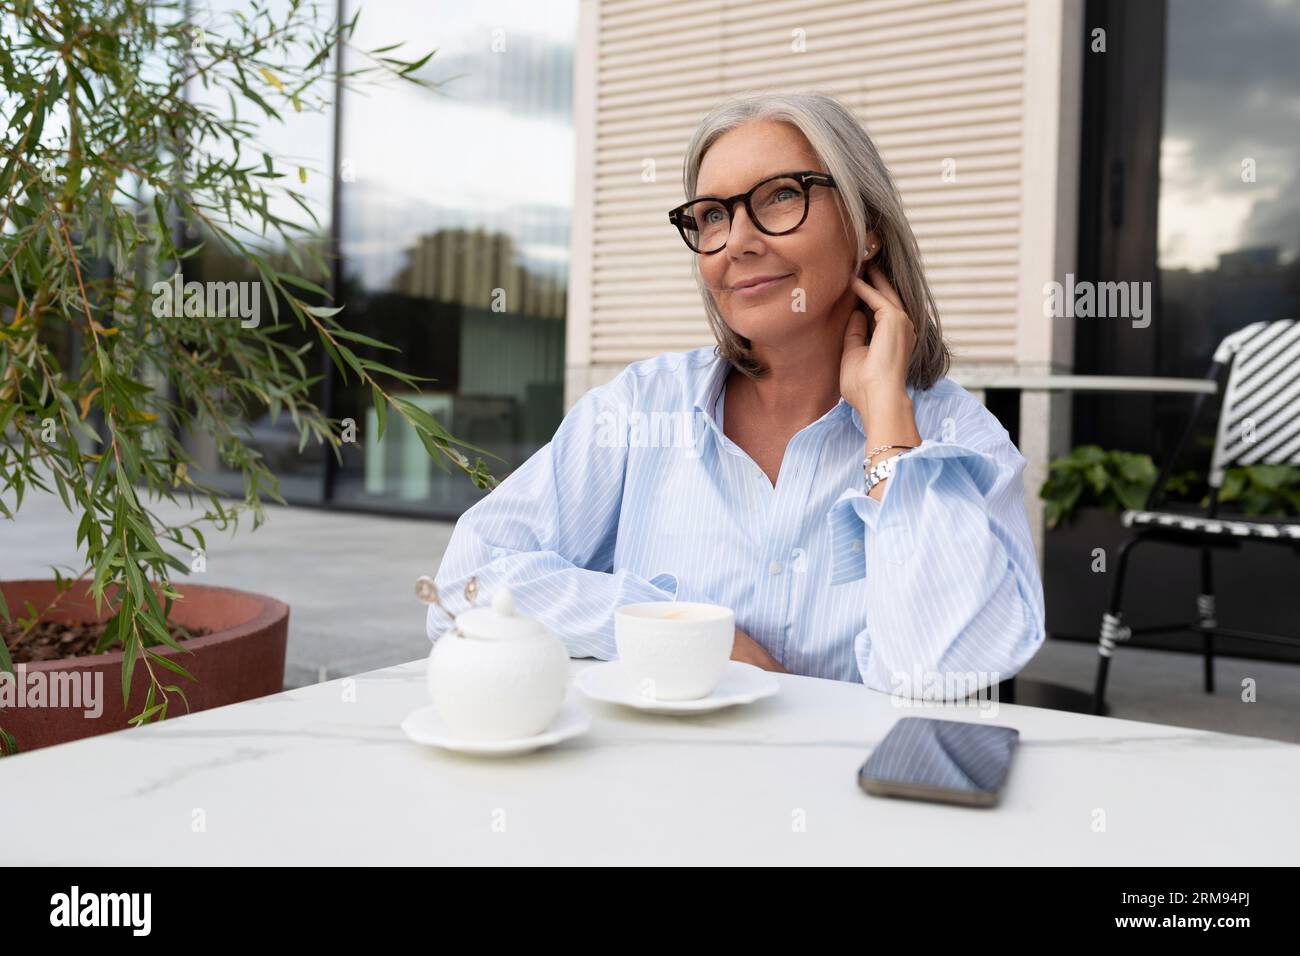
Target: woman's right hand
749 651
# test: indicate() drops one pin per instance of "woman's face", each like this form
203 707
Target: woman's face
817 258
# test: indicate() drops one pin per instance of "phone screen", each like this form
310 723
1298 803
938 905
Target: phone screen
950 761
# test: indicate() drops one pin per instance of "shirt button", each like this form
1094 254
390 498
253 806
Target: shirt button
775 567
857 544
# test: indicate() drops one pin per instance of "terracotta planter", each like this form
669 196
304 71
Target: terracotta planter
243 658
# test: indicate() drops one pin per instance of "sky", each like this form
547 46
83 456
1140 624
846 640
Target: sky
1232 92
493 147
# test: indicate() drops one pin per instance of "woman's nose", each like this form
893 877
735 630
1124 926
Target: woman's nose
744 234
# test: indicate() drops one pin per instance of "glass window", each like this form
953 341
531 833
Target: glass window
1190 161
454 220
1229 210
303 141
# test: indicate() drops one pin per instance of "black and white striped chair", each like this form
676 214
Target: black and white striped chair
1259 424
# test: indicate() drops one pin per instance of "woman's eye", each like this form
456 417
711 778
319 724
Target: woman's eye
785 194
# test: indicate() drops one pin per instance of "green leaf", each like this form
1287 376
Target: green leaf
412 67
158 628
302 283
143 717
1131 496
381 415
321 311
1098 478
350 357
81 81
363 339
172 666
370 365
1271 477
128 668
109 635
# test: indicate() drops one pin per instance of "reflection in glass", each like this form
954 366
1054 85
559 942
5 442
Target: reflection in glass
302 139
1229 213
1229 234
455 242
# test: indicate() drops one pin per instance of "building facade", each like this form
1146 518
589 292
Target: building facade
974 106
509 231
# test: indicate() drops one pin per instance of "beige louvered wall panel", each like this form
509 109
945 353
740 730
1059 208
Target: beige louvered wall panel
930 80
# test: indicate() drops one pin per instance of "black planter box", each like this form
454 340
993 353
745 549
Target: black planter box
1257 588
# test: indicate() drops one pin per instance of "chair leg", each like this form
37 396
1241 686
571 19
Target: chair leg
1112 630
1205 616
1099 691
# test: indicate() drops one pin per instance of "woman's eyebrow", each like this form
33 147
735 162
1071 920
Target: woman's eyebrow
703 195
779 172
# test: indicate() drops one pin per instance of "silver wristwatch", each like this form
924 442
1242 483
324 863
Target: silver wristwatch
879 472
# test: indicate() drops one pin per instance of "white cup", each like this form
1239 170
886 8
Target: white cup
674 650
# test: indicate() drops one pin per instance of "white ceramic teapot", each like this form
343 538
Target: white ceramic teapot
497 674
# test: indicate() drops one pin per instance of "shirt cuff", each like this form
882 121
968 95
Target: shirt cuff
855 515
666 583
852 514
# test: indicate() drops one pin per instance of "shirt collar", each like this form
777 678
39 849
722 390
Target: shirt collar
706 396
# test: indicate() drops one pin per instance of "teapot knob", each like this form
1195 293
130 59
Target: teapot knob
503 602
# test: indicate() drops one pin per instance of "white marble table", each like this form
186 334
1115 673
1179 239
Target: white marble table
310 777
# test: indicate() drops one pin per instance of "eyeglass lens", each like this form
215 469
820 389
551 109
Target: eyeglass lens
778 206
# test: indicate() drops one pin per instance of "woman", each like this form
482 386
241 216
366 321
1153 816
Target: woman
816 472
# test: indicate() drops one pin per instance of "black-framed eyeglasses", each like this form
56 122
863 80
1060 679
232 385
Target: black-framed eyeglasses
776 205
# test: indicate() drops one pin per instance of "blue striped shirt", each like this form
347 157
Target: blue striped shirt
640 496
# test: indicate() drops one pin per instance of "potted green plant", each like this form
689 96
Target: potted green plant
1272 490
108 162
1091 476
1084 494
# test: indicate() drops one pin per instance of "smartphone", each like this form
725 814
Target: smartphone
948 761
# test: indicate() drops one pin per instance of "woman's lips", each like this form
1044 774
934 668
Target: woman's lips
760 288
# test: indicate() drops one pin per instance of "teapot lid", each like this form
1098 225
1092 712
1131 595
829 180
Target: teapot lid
499 621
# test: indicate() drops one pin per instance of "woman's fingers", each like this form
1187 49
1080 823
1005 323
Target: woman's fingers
749 651
883 285
855 333
871 295
880 304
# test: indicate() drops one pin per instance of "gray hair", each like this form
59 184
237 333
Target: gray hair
867 198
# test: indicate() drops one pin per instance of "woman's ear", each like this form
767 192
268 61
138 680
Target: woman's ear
871 251
869 255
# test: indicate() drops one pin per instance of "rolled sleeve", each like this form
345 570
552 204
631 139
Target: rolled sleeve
952 577
856 517
548 533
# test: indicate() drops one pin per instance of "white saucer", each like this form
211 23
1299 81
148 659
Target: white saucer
741 684
424 726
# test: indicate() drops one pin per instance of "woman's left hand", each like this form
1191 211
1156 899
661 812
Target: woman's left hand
747 650
882 365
